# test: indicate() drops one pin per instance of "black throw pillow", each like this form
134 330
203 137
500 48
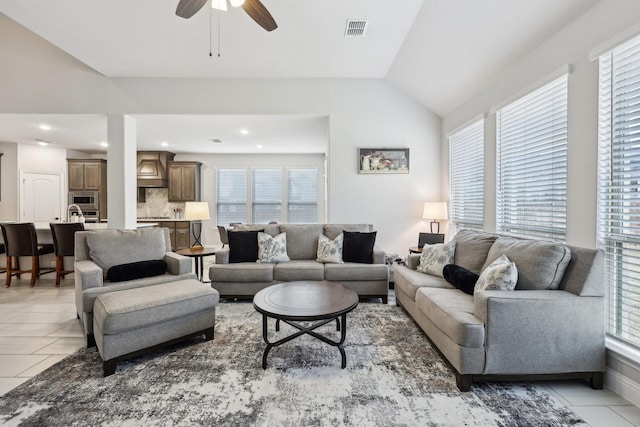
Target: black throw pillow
136 270
460 277
243 246
358 247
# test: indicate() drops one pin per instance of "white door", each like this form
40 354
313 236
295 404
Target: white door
41 197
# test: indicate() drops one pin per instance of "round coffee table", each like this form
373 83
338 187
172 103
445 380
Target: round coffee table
294 302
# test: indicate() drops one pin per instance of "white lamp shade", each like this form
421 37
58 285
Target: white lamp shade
435 210
196 210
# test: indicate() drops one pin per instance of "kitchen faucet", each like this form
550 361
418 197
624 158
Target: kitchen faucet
69 211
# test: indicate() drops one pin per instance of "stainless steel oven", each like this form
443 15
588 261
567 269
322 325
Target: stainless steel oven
87 200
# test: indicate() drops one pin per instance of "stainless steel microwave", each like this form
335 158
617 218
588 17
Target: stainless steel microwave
84 199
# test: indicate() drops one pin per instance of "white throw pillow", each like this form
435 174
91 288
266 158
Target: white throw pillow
435 257
500 275
272 249
330 251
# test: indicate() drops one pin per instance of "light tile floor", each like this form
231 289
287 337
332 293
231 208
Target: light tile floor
38 328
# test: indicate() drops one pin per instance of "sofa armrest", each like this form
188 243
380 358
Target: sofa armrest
379 255
222 256
541 331
177 264
88 275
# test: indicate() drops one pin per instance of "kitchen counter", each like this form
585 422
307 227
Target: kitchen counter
43 231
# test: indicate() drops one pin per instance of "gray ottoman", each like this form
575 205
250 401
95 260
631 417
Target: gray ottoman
130 322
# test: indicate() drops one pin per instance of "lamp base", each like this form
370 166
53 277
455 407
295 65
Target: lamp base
437 223
197 247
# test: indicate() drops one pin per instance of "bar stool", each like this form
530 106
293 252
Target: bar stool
20 239
64 245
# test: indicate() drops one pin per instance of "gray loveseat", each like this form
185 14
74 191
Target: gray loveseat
245 279
551 325
105 248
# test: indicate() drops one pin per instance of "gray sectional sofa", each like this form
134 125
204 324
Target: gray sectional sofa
245 279
551 325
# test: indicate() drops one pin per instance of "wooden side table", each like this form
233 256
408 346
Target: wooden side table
198 254
415 250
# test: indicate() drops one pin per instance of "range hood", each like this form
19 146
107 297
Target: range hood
152 168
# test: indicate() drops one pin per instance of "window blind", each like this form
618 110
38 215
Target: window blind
267 195
618 185
532 164
231 194
466 177
302 194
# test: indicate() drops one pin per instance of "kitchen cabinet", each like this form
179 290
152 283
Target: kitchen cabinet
179 233
87 175
184 181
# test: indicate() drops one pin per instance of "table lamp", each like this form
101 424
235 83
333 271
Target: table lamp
435 211
196 212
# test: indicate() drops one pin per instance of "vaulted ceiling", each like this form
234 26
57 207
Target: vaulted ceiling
440 52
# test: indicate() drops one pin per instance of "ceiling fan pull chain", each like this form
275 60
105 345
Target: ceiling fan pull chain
219 34
210 18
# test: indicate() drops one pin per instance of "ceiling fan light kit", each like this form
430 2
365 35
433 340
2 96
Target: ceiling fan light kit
254 8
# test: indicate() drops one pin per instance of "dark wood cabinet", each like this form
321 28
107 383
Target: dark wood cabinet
87 175
184 181
179 233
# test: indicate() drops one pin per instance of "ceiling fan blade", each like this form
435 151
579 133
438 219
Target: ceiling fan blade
187 8
256 10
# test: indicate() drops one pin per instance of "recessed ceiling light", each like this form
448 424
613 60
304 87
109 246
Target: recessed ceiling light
259 146
45 126
244 131
43 142
104 144
164 144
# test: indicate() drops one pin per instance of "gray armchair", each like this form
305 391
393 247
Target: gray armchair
98 250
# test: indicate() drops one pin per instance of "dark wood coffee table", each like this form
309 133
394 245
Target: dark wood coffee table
306 301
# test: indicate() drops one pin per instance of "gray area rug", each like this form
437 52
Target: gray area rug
393 378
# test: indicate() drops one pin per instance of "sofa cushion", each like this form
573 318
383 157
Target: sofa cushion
355 271
302 240
330 251
241 272
541 265
271 229
334 230
298 270
243 246
472 248
358 246
136 270
409 281
105 246
460 277
272 249
435 257
453 313
500 275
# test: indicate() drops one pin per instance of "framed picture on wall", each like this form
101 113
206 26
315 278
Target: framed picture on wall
383 160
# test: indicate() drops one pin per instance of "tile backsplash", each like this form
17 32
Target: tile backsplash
157 205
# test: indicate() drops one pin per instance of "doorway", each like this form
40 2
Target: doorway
41 196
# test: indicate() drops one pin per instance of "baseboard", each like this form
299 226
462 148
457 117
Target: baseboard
623 386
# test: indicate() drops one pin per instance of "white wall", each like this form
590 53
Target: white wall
569 46
9 181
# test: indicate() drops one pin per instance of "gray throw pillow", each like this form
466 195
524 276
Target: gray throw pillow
330 251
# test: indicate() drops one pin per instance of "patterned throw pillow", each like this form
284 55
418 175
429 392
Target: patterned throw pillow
330 251
500 275
435 257
272 249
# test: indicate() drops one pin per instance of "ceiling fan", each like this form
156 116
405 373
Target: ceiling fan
254 8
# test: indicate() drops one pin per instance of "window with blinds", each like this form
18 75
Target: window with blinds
267 195
231 194
466 177
532 164
618 185
265 202
302 190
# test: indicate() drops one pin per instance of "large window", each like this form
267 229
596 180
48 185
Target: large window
619 182
466 177
262 195
532 164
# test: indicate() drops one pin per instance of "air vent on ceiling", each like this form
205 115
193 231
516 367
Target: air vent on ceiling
356 28
216 140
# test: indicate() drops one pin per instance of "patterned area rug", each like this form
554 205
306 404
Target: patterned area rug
393 378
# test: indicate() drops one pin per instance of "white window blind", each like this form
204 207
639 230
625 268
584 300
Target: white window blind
302 191
532 164
618 184
466 177
267 195
231 194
